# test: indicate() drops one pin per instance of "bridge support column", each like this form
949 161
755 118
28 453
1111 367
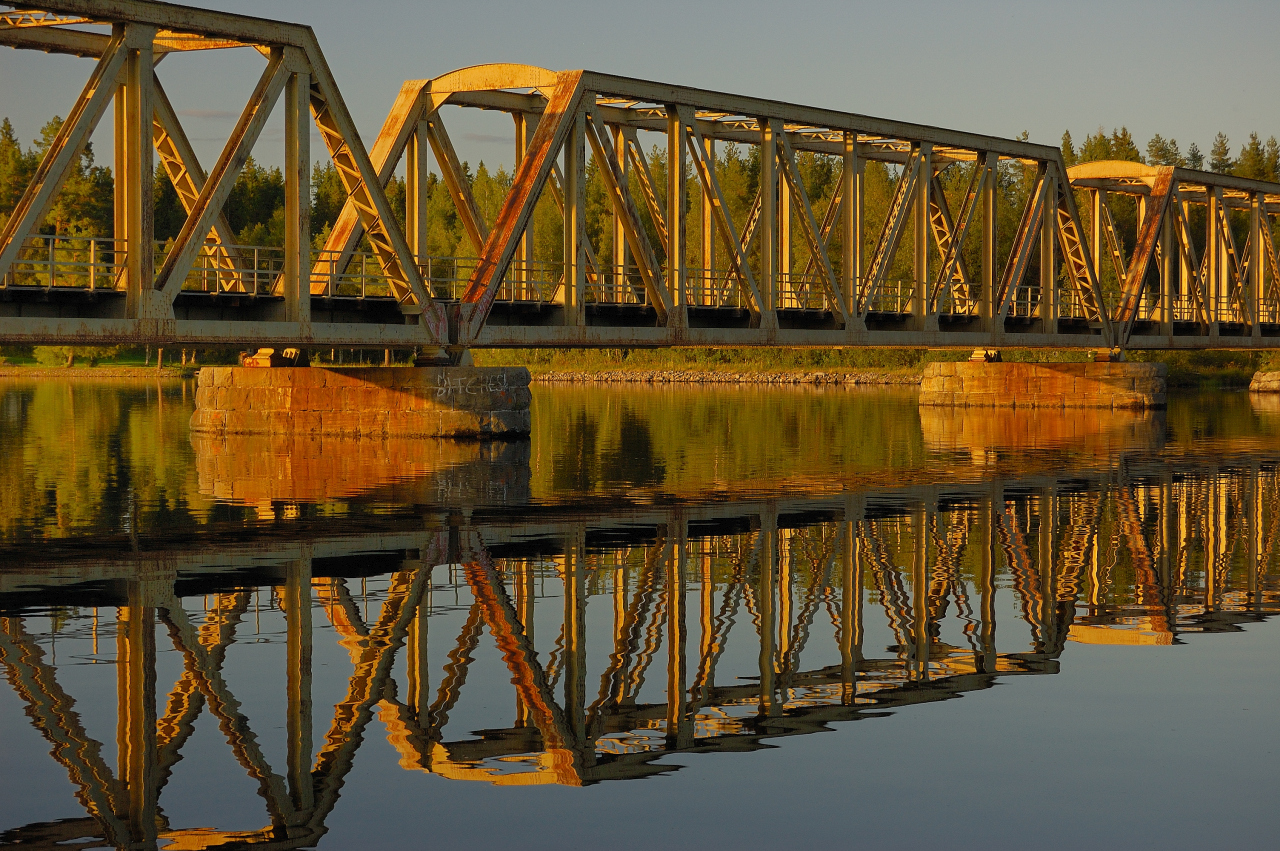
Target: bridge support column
463 402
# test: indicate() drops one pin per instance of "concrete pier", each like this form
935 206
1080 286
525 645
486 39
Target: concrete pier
450 402
1111 385
1265 382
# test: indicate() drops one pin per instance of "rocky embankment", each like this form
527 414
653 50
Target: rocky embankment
671 376
1265 382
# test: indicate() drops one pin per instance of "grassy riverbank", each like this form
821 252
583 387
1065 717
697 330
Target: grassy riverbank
1186 369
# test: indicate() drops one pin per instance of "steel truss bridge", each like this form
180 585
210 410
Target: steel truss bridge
1136 556
1188 284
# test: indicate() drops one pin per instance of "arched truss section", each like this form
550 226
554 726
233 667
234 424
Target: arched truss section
1197 258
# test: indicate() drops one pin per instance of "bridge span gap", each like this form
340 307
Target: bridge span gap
956 259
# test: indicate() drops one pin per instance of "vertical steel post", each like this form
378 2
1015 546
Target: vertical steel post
677 633
988 307
136 715
417 671
1048 256
138 174
524 253
1097 198
1047 513
575 234
768 219
785 284
575 632
765 590
677 157
987 605
851 234
619 234
297 611
1168 269
850 613
1257 212
708 229
416 172
920 237
297 196
920 591
1212 286
526 594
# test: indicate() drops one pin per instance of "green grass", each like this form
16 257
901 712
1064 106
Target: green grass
1186 369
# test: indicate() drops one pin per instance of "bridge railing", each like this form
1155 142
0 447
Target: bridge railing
49 261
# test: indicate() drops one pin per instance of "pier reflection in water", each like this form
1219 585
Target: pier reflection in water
620 642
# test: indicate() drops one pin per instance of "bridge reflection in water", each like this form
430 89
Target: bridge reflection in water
713 627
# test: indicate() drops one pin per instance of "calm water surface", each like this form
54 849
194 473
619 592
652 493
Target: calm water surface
1055 631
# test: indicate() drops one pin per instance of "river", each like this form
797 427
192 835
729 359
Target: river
1052 627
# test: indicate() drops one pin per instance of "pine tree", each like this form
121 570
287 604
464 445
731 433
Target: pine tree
1220 155
1195 159
1068 150
1164 152
1096 147
1271 157
1123 147
1252 162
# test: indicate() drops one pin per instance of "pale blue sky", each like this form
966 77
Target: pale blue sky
1184 69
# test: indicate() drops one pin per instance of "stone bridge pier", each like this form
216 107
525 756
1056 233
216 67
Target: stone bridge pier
445 401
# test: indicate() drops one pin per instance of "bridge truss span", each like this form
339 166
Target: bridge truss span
972 241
